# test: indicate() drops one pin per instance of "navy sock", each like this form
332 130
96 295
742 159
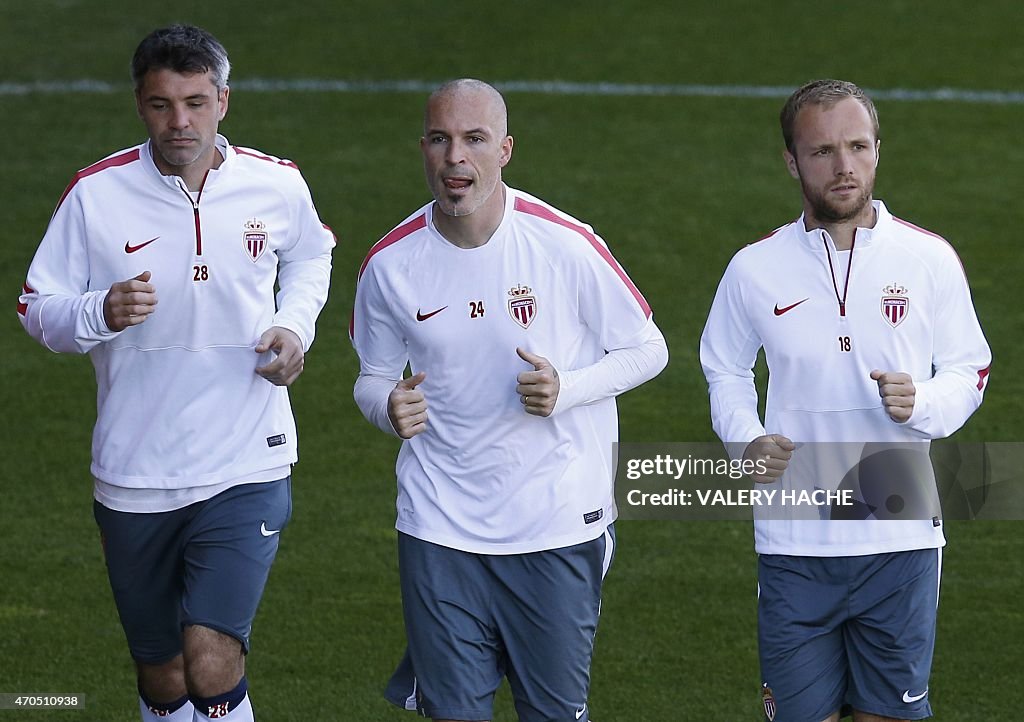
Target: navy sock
162 709
222 704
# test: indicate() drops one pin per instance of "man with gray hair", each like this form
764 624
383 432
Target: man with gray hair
194 437
878 349
520 328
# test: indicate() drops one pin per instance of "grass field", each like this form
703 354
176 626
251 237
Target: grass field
675 184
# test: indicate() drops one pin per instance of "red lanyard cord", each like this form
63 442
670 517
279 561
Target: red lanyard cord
832 270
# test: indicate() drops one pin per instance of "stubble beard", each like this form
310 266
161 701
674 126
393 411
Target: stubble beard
177 159
829 212
449 206
454 206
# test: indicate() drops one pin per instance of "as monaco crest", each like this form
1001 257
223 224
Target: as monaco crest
895 304
522 306
255 238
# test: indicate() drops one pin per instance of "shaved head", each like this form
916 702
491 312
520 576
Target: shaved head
456 91
465 145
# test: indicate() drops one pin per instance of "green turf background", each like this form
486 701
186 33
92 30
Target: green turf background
674 184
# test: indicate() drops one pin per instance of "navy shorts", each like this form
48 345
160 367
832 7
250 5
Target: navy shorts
847 632
472 619
204 564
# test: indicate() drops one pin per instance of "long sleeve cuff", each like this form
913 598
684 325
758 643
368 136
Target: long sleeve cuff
618 371
371 394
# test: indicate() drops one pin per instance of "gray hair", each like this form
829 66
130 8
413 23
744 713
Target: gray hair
183 49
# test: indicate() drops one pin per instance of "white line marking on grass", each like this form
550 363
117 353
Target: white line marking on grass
549 87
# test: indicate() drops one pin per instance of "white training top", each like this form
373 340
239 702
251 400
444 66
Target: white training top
181 413
486 476
903 306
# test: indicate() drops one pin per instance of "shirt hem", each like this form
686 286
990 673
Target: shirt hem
524 547
152 501
859 550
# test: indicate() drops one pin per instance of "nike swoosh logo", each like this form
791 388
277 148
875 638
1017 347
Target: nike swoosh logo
580 711
129 248
424 316
780 311
908 699
268 532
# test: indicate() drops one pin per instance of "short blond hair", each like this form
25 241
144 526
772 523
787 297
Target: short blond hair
825 92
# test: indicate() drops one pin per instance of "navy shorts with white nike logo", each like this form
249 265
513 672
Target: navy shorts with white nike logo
847 632
204 564
472 619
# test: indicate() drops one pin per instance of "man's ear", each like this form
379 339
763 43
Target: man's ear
791 165
222 99
505 152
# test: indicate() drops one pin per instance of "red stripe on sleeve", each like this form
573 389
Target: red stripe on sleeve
112 162
925 231
391 238
269 159
982 375
535 209
23 307
766 237
330 230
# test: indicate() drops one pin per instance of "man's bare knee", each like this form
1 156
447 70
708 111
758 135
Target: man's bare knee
214 662
163 683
